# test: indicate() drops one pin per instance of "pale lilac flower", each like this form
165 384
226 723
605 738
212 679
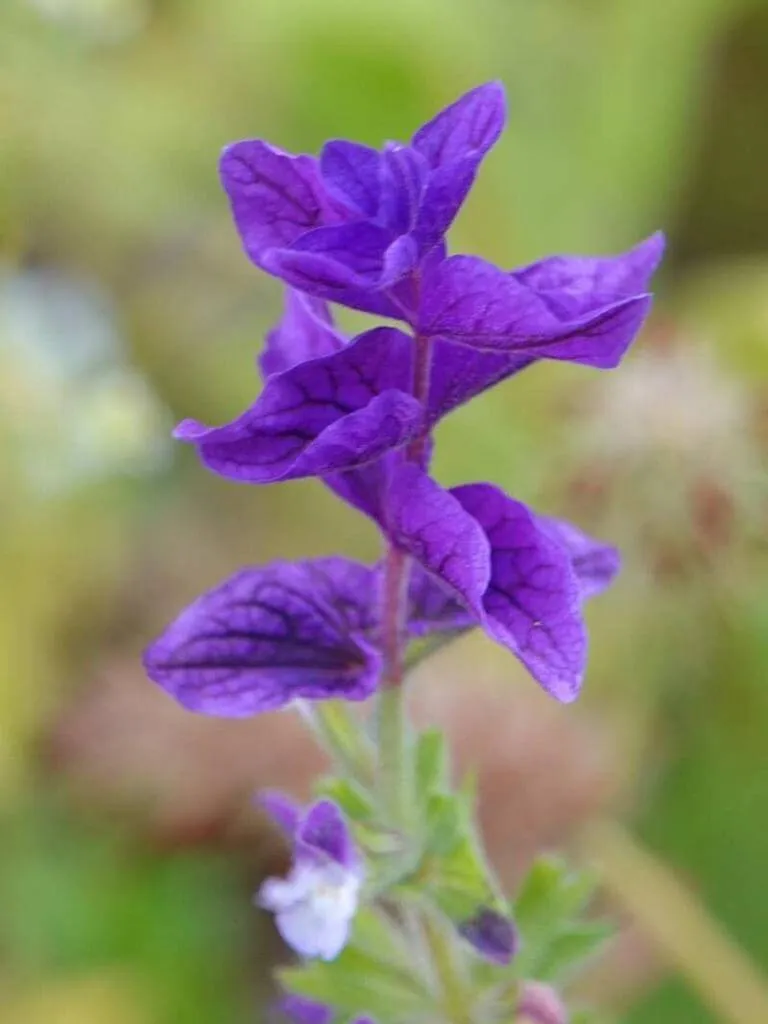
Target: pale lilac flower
315 904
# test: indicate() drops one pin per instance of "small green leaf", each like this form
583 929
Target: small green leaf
551 894
342 735
550 900
444 824
568 950
377 935
459 882
431 764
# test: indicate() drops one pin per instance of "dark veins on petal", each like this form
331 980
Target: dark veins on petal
283 434
532 601
269 635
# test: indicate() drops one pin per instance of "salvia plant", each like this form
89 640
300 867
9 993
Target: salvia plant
390 904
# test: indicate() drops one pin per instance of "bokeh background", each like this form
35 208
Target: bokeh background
128 843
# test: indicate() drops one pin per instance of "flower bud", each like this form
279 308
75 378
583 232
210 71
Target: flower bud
540 1004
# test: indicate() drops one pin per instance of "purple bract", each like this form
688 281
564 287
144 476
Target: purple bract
366 228
356 224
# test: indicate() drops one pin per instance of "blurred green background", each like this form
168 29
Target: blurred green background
128 847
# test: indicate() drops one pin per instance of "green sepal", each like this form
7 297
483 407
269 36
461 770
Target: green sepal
546 911
445 824
568 950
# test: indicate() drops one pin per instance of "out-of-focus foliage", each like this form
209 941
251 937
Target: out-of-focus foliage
125 303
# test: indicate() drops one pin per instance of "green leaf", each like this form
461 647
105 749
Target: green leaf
551 894
461 884
376 934
431 764
444 825
342 735
551 898
568 950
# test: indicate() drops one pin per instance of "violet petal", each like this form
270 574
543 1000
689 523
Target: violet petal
470 302
267 636
532 601
575 285
445 193
432 526
433 608
324 830
284 811
352 173
595 564
305 332
460 373
321 274
275 197
322 416
471 124
404 176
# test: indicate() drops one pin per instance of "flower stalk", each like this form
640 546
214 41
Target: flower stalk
391 737
394 774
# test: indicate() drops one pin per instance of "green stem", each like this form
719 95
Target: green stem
446 961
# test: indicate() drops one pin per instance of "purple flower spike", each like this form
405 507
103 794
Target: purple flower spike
355 224
540 1004
492 934
315 904
579 309
322 416
268 636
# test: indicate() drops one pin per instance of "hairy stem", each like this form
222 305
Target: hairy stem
418 449
391 724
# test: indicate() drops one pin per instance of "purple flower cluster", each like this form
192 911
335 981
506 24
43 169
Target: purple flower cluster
366 229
